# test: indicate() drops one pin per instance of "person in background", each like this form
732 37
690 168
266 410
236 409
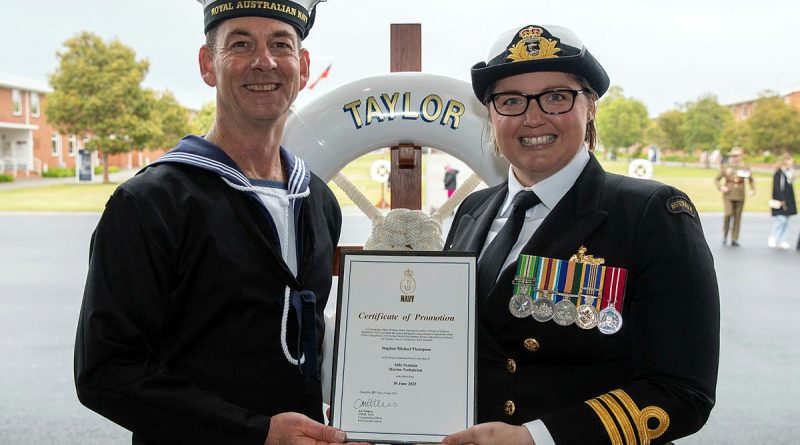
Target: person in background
730 181
644 368
450 179
783 203
202 316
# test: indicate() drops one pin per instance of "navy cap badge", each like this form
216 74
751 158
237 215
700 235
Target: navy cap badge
532 45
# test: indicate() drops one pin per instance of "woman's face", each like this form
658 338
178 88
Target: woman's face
538 144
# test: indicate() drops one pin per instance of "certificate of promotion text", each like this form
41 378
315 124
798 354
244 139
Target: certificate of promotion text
404 367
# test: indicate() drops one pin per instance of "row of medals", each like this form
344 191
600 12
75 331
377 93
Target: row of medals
564 313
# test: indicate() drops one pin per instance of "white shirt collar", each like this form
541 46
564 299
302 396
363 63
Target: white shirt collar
553 188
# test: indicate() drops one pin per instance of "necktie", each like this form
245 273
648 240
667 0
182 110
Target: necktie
497 251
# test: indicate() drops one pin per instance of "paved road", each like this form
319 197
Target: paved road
43 266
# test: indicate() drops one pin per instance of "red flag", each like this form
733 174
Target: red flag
321 76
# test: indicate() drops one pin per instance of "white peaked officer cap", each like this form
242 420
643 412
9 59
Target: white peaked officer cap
299 13
535 48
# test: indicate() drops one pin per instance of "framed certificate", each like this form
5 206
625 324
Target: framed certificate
404 353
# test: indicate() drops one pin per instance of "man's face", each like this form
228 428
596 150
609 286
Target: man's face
257 66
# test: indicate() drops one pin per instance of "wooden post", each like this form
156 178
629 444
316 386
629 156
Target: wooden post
405 179
406 47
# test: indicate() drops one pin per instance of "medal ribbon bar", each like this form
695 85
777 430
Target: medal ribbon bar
525 281
614 287
597 285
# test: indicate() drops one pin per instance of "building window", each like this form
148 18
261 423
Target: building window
73 145
16 102
35 104
55 144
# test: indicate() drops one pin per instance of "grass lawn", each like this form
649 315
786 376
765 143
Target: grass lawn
57 198
698 183
358 172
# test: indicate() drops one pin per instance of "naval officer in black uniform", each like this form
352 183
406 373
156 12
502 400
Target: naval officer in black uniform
650 379
209 271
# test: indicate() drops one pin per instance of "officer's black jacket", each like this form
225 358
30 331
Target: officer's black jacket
664 360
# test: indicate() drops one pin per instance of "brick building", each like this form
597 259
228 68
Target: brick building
743 109
30 145
27 142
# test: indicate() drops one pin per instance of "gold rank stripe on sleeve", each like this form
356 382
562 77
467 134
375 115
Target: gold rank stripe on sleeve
608 422
642 417
623 419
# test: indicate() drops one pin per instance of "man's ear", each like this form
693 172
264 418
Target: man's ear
206 61
305 67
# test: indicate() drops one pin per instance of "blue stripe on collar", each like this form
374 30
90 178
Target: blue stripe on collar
299 176
196 151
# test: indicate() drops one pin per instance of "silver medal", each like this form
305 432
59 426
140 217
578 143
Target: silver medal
542 307
587 316
520 305
609 321
565 313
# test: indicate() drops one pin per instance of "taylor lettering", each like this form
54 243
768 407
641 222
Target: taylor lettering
389 106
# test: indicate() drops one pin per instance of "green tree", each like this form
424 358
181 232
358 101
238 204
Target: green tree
734 134
172 120
671 124
703 123
201 122
774 125
654 134
97 91
143 131
621 121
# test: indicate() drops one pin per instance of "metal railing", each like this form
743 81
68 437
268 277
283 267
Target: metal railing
14 167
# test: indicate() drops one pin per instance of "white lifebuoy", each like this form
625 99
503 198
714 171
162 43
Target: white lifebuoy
392 109
640 168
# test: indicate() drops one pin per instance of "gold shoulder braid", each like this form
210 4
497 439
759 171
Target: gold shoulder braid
640 418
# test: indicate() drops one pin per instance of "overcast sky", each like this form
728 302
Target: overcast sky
660 52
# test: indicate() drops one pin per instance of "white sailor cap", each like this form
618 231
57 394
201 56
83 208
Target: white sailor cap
298 13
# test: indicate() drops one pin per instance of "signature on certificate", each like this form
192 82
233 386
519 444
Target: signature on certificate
373 403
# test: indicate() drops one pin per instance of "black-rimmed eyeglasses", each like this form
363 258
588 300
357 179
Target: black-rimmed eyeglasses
558 101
